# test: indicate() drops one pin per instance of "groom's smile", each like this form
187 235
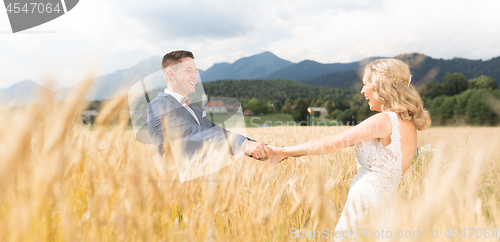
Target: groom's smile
186 76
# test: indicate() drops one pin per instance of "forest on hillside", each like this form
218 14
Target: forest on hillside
458 101
454 100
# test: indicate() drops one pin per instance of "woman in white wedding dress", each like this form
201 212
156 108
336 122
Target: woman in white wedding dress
385 143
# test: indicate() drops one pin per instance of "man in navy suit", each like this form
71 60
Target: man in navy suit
188 124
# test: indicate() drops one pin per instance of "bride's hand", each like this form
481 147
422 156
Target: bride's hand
276 155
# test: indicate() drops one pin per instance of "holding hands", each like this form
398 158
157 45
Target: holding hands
261 151
276 155
256 150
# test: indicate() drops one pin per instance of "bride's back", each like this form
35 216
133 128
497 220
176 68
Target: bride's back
408 142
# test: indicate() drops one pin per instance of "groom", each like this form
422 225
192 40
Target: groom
185 122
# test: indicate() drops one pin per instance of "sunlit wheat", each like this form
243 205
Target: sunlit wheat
60 181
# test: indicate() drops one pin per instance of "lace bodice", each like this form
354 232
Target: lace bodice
378 178
378 164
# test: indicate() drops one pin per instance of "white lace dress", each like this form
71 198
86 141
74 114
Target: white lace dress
378 178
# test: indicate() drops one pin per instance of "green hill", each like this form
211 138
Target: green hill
423 68
276 89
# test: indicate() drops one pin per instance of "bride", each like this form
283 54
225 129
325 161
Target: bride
385 143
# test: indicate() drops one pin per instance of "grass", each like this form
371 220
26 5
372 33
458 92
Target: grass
61 182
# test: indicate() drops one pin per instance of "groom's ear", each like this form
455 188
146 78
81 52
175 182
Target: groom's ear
168 74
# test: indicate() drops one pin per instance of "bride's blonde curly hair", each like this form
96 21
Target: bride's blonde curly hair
390 80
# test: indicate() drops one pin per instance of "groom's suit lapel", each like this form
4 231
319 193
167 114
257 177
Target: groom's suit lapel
203 121
185 113
180 109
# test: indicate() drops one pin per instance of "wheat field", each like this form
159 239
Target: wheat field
60 181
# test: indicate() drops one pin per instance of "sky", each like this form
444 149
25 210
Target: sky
98 37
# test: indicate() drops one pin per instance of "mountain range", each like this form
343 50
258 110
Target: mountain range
265 66
424 69
21 93
252 67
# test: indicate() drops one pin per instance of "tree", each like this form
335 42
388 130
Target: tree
270 107
256 106
341 103
355 110
358 99
300 113
277 105
478 112
94 105
454 83
434 110
447 108
436 91
431 90
317 103
311 101
288 106
483 82
364 112
462 99
328 105
334 114
347 117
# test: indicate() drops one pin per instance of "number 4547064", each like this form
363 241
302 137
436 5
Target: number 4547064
472 232
33 7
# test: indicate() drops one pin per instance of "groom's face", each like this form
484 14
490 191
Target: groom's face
184 76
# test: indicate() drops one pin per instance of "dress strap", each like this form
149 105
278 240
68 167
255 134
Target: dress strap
395 134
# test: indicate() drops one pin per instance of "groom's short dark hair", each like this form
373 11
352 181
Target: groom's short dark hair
174 58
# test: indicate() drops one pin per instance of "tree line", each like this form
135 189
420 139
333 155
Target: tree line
458 101
453 101
280 95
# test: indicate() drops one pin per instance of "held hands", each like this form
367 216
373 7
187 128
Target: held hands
276 155
257 150
261 151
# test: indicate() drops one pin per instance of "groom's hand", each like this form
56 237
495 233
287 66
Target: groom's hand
256 149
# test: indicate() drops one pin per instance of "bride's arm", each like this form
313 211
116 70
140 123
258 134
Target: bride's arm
376 126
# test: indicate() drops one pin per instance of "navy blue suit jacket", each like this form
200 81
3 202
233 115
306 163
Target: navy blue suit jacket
182 126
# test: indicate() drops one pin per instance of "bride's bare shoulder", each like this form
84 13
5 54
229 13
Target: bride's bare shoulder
379 118
379 121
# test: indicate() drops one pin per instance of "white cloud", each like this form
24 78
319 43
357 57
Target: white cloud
103 36
443 29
